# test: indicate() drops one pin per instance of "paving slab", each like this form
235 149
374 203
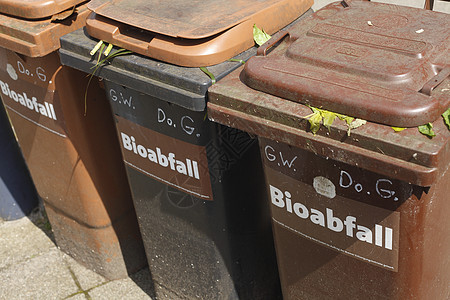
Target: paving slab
21 240
80 296
122 289
85 278
42 277
32 267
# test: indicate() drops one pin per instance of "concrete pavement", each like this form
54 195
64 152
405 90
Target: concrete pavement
32 267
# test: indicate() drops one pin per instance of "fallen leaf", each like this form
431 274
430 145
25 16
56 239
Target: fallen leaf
446 116
328 118
427 130
260 36
355 124
314 122
398 129
345 118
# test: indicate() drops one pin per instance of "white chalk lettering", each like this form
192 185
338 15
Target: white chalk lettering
383 186
272 155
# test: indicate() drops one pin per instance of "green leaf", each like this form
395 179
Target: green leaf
345 118
315 110
328 118
314 119
260 36
427 130
314 122
355 124
237 60
446 116
211 75
398 129
102 47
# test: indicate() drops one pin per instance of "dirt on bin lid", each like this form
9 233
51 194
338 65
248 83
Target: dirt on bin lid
189 33
36 9
382 63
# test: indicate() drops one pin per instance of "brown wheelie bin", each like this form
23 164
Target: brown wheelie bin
73 157
357 212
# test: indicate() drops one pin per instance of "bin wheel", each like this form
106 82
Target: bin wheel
180 199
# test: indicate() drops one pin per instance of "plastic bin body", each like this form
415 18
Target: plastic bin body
349 176
208 237
197 186
399 244
18 195
74 160
360 215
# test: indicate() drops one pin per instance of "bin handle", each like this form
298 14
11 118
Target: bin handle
129 42
271 42
435 81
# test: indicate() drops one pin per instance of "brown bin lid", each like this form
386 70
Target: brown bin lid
189 33
36 9
36 38
378 62
407 155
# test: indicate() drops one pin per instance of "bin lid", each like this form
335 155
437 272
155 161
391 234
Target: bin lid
37 38
189 33
408 155
185 87
374 61
36 9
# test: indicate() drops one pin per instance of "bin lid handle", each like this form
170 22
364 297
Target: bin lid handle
272 42
435 81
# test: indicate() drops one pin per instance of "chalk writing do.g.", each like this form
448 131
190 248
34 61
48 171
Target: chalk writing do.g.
186 123
382 186
22 69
